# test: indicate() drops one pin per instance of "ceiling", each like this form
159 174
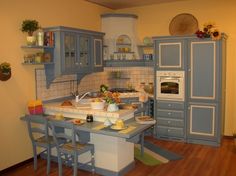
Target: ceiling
121 4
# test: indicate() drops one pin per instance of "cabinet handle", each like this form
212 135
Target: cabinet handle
169 113
76 63
168 122
169 105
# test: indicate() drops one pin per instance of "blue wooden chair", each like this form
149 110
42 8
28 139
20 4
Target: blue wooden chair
38 133
72 148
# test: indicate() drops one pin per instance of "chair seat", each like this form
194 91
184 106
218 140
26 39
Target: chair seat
79 146
45 141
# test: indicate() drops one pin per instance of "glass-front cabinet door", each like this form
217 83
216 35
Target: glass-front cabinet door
84 53
70 59
97 54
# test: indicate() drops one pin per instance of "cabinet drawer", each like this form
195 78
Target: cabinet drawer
177 132
170 105
170 122
170 132
170 114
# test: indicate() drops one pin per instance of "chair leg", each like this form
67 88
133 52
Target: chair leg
75 165
35 156
48 159
92 161
59 163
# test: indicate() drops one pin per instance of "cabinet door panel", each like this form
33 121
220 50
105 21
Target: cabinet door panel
97 52
203 70
167 58
202 120
69 61
84 58
170 54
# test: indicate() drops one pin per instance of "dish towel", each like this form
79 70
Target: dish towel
129 129
99 127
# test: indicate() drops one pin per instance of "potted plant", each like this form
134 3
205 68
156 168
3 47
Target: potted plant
30 26
5 71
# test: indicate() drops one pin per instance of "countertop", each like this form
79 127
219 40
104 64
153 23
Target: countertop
81 112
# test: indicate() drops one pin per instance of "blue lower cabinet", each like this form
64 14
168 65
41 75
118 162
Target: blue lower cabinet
171 123
203 124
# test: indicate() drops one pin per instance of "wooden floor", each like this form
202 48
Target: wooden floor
198 160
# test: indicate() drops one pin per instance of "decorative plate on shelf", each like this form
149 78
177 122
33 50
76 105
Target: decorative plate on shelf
183 24
147 41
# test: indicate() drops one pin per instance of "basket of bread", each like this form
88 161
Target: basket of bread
145 120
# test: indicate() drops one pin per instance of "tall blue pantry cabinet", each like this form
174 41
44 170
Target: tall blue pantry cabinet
201 116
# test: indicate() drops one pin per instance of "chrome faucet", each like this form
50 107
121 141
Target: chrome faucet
77 99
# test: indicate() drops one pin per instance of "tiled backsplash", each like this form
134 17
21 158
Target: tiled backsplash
113 77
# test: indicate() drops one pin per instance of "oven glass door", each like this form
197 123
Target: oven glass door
170 88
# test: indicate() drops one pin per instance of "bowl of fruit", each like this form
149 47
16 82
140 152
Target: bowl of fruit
97 103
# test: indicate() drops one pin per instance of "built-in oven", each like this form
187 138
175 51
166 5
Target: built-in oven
170 85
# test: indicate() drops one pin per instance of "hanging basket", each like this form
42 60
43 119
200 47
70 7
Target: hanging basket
5 76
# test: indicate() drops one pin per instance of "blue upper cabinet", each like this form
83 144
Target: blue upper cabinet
77 51
169 53
202 70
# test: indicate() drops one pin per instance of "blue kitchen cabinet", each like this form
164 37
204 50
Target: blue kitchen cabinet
206 90
171 120
77 51
169 53
204 63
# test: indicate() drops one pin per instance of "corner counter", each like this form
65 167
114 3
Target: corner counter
81 112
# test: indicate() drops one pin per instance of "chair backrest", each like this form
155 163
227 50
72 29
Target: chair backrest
63 131
34 127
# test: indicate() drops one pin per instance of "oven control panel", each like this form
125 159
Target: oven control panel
170 74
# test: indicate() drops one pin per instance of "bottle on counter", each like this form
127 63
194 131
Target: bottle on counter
142 94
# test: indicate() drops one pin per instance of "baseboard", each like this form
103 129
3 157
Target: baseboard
9 169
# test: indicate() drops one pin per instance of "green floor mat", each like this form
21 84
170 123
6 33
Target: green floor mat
146 159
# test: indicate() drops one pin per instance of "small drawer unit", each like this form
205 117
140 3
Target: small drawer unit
170 120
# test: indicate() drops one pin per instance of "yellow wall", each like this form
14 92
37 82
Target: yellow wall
154 21
15 145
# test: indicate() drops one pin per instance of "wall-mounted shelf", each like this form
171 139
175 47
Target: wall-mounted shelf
120 52
146 46
42 63
129 63
118 78
37 47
